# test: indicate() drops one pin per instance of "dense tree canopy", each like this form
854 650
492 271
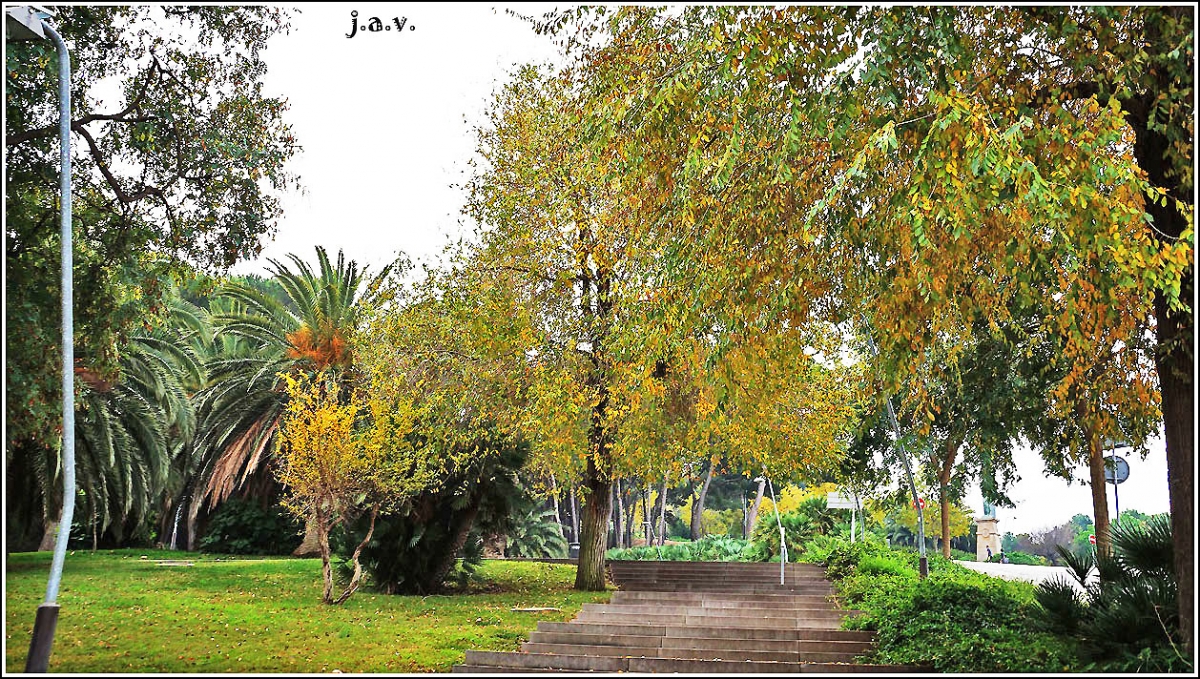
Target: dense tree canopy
914 169
178 159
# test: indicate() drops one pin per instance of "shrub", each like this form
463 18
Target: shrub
1021 558
711 548
956 620
1128 620
243 527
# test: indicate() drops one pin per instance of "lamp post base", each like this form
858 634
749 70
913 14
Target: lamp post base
43 638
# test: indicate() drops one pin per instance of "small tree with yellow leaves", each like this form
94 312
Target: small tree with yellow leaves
340 456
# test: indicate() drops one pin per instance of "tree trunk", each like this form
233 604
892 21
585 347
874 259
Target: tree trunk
322 529
311 545
630 511
1099 491
698 504
1176 331
557 515
620 515
952 447
357 577
574 515
662 513
590 573
647 525
752 514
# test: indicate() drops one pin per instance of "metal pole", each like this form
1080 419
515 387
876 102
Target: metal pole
924 562
47 613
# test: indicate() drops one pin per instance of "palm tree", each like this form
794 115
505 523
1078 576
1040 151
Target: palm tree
130 431
306 325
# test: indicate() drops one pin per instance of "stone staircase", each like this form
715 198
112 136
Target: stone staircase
697 617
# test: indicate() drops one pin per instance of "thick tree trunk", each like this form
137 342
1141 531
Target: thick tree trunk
697 526
1176 331
590 574
752 513
1175 367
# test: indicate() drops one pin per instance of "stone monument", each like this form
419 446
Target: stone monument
986 533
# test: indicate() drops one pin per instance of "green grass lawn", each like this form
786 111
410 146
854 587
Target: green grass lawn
122 613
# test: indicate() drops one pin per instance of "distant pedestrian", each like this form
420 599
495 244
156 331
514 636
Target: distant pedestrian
1003 557
989 549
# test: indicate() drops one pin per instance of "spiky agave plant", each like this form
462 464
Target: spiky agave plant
1126 619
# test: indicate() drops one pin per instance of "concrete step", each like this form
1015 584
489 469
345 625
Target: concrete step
806 590
693 631
721 598
669 599
710 643
497 661
715 566
735 612
622 581
486 669
687 653
711 621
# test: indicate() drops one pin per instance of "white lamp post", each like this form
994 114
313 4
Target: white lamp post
29 23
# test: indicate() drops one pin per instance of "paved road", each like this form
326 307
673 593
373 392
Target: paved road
1013 571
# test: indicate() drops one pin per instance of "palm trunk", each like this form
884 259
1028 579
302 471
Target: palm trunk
698 505
48 537
311 545
437 577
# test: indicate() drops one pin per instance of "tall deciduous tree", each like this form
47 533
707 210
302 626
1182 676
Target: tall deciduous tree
931 166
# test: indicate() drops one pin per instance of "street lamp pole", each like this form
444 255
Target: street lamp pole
30 23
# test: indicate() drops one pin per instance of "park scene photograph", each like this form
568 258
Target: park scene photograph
412 338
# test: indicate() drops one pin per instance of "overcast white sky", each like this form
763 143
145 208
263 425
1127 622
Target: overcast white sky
385 121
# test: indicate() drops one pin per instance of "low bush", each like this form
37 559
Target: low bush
956 620
712 548
242 527
1021 558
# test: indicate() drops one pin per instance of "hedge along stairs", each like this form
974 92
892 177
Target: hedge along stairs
698 617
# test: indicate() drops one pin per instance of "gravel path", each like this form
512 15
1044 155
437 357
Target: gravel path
1013 571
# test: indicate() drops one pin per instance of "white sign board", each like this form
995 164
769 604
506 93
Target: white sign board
836 500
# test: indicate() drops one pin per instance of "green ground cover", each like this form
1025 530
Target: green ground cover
122 613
